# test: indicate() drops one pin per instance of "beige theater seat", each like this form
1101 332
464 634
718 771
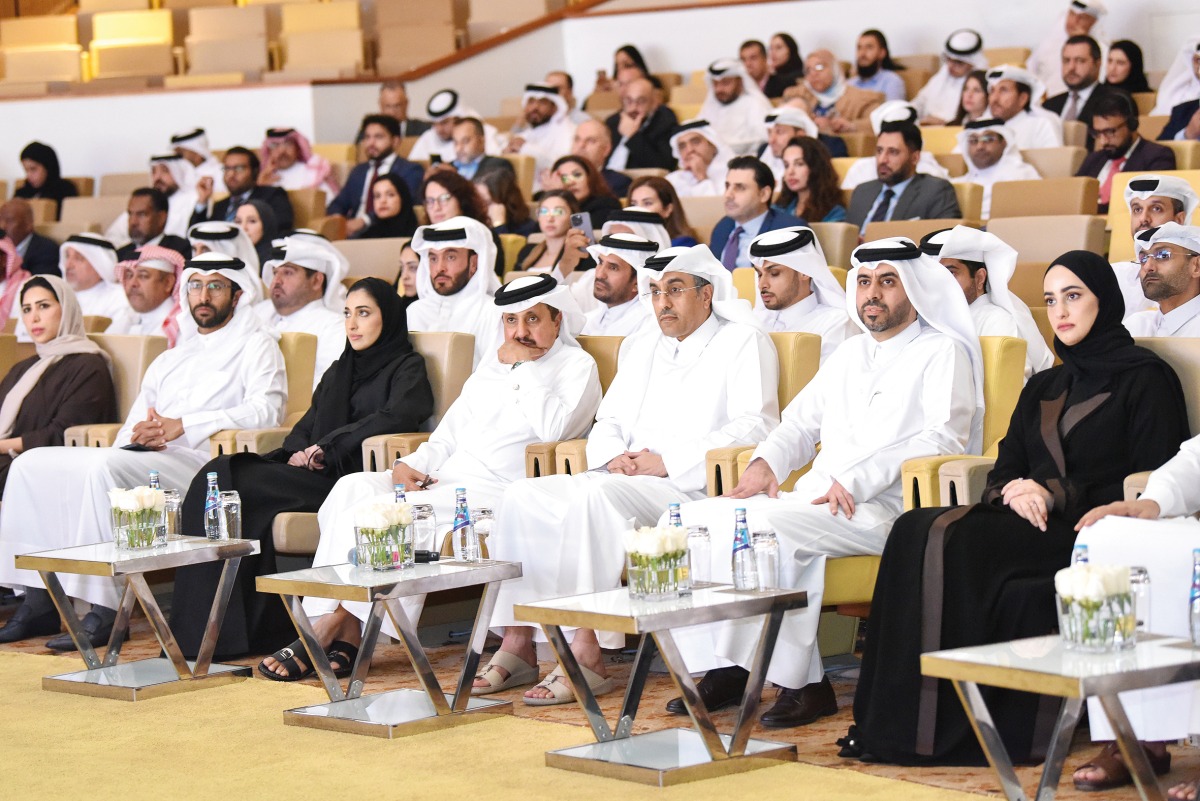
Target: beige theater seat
970 200
1006 55
411 33
227 39
703 213
1055 162
1045 238
525 167
308 204
129 44
373 257
645 172
130 355
954 163
8 353
940 138
913 229
511 245
838 240
122 184
40 48
1187 154
322 37
1074 134
82 212
1077 195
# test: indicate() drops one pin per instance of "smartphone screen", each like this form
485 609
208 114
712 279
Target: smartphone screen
434 158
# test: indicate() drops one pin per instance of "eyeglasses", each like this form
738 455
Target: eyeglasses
674 292
818 68
1162 255
213 287
237 168
556 212
983 139
1104 133
438 200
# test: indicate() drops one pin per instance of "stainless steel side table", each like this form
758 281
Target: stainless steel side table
1043 665
144 678
677 755
396 713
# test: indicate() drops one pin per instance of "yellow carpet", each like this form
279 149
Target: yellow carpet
230 743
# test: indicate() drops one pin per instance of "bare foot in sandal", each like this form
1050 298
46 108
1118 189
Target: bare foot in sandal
337 625
518 646
587 650
1107 769
1184 791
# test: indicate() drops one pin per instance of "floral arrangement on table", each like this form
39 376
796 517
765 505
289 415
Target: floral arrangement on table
383 534
137 517
656 561
1095 607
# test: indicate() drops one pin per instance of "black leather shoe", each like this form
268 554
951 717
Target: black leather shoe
23 625
96 630
800 707
718 689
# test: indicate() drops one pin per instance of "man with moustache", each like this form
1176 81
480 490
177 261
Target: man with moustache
900 192
618 258
1170 276
1119 146
1153 200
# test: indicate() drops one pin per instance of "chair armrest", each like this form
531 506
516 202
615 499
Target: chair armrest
76 436
295 533
103 435
223 442
1135 485
399 445
539 459
919 480
787 485
374 450
260 440
570 457
961 481
723 472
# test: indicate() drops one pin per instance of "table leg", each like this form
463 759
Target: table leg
216 616
366 650
1060 744
691 696
66 611
479 632
583 692
1131 749
120 626
754 684
416 654
989 739
647 649
316 654
158 622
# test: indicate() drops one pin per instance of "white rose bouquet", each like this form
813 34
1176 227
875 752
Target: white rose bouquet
656 561
384 535
1095 607
137 517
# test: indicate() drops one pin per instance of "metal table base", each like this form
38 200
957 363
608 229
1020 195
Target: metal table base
397 713
141 680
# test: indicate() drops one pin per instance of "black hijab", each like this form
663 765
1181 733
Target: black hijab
1108 349
1136 82
356 367
270 229
55 187
404 223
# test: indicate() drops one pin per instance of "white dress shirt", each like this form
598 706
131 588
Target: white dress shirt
625 319
129 321
1182 321
1006 169
686 184
1036 130
864 170
740 123
831 323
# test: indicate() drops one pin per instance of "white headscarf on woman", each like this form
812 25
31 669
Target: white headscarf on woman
70 339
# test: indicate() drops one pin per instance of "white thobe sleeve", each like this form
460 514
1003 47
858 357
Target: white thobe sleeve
752 410
794 443
556 401
608 439
263 397
141 405
433 452
1174 486
945 408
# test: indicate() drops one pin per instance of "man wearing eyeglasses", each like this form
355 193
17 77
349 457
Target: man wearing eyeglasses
1119 146
241 166
1153 200
231 375
380 134
990 149
1170 275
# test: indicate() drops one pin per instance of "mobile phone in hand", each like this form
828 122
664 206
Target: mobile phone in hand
583 221
434 158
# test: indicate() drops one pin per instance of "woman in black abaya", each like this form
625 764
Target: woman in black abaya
980 574
377 386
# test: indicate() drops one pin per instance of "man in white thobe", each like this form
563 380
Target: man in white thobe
864 169
1080 19
707 379
216 236
1170 259
1153 201
539 386
618 258
88 263
796 289
989 147
983 264
634 220
912 387
306 295
151 286
784 125
456 282
938 101
703 160
1015 96
546 131
230 376
193 146
175 177
445 109
735 106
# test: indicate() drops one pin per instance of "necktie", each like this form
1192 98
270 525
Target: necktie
371 183
234 204
1106 187
1072 112
730 254
881 211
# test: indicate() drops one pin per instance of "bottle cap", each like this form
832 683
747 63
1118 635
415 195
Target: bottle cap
460 489
212 475
399 487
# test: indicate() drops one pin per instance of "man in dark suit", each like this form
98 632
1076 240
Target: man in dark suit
641 129
241 167
1081 61
593 141
380 135
749 185
1185 119
39 255
469 143
147 220
1119 146
393 101
900 192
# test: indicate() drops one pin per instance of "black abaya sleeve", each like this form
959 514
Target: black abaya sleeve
1012 457
301 435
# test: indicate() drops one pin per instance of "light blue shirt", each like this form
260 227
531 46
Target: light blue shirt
886 81
750 229
467 169
898 189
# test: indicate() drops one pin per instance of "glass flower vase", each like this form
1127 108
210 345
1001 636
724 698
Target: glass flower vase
389 548
1097 627
145 528
657 578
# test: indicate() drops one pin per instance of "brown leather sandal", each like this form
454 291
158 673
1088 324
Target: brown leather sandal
1116 774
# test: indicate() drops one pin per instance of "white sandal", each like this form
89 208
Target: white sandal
519 673
560 688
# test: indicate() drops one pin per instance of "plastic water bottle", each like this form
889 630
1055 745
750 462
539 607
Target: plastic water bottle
466 545
1079 555
399 490
745 571
212 509
673 516
154 480
1194 598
